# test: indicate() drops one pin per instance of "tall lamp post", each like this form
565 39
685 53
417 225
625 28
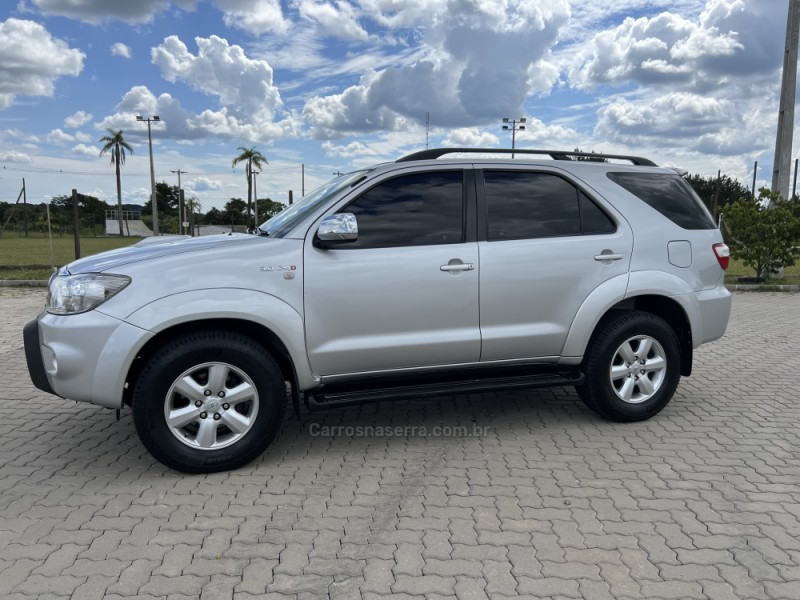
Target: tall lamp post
152 172
514 125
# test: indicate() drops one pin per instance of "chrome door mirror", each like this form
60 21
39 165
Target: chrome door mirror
336 229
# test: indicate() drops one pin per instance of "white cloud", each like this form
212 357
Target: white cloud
31 60
97 11
336 20
83 137
120 49
180 124
79 119
728 37
481 63
16 157
471 137
203 184
84 150
59 137
220 70
254 16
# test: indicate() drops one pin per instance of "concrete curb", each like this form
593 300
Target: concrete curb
763 287
23 283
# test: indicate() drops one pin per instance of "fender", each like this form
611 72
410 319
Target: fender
597 304
231 303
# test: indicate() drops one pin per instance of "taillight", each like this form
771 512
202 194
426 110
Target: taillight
723 254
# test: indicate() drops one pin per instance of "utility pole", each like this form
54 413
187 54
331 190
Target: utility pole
516 125
255 200
180 200
427 128
783 142
25 206
76 219
755 170
152 172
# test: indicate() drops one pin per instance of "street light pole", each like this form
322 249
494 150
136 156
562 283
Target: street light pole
514 125
152 172
180 200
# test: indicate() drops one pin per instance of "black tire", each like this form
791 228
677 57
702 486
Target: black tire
242 369
601 395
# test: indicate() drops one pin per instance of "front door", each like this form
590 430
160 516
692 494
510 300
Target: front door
405 294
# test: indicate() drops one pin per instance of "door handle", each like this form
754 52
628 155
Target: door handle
458 267
607 257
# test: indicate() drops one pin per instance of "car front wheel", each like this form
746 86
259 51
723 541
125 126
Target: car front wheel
209 401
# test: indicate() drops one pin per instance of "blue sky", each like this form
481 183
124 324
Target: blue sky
337 84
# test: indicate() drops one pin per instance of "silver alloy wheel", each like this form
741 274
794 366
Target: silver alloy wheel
211 406
638 369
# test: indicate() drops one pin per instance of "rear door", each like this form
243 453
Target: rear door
544 246
405 294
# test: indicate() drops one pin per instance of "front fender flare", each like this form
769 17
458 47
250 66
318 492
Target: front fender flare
232 303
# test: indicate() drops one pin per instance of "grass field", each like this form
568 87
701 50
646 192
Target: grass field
30 257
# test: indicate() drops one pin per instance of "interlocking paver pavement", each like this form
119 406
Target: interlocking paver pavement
548 501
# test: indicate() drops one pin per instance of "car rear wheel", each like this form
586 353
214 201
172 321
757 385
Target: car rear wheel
631 367
209 401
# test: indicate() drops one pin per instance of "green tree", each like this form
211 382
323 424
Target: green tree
730 190
268 208
167 199
234 211
92 210
253 159
762 234
115 143
215 217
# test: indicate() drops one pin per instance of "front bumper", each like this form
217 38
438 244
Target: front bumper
83 357
33 356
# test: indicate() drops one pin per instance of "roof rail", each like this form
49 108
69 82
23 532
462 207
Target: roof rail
435 153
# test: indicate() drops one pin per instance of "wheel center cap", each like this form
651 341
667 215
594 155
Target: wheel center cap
212 404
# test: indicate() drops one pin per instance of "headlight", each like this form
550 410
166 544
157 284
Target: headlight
71 294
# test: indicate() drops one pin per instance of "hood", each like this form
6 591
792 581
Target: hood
157 247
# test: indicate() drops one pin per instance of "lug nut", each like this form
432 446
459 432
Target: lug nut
203 415
226 406
207 393
217 416
642 372
221 394
198 404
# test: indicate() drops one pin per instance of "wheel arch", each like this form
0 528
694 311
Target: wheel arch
616 294
251 329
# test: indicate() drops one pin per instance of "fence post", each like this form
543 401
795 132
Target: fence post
77 224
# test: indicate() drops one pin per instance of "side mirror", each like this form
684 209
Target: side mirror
336 229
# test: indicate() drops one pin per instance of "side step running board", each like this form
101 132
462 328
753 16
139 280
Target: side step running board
329 397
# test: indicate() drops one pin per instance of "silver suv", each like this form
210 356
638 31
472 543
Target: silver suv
419 277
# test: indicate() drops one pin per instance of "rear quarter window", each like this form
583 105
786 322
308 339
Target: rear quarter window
670 195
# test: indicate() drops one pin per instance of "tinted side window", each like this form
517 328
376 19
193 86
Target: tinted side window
594 220
668 194
523 205
411 210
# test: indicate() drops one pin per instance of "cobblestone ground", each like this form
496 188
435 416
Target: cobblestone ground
538 498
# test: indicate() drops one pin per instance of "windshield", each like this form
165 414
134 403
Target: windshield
286 220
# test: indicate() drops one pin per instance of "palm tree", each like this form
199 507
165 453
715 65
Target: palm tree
254 159
116 144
